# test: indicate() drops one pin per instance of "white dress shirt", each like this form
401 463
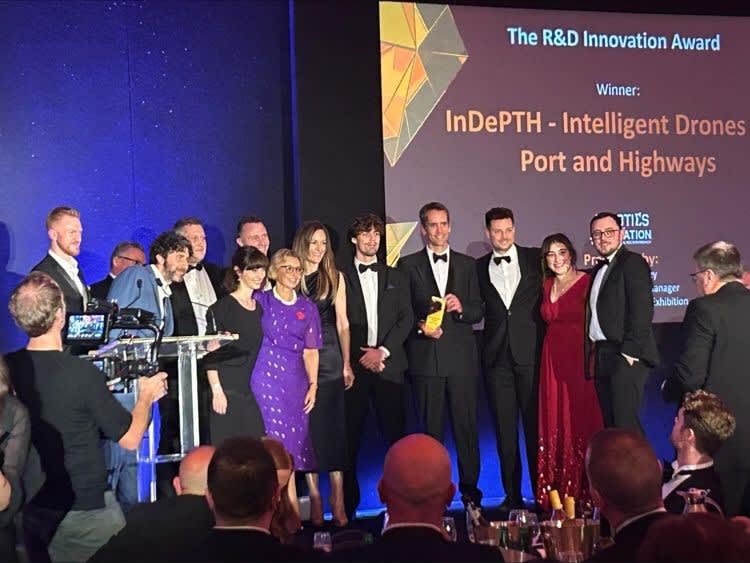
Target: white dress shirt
595 329
165 292
505 276
369 282
634 518
440 269
202 295
70 265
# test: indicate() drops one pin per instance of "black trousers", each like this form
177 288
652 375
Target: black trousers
619 387
387 401
513 390
460 393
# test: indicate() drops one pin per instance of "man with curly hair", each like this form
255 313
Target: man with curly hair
701 426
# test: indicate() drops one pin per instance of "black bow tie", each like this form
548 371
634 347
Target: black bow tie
437 257
198 266
364 267
669 473
498 259
604 261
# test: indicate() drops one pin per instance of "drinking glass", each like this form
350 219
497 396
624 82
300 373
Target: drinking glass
449 527
322 541
526 531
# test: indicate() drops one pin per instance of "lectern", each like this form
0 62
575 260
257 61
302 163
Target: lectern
188 350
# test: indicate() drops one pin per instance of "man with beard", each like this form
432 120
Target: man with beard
620 340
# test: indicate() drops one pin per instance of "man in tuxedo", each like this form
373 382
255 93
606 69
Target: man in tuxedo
717 339
125 254
243 493
152 529
510 282
252 232
201 285
619 338
378 306
148 287
415 488
65 232
443 363
625 479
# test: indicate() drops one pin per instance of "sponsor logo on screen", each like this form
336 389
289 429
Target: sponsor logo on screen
637 227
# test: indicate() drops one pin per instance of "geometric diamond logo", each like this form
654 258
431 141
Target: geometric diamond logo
421 52
396 235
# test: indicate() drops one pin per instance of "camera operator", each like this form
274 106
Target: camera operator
69 405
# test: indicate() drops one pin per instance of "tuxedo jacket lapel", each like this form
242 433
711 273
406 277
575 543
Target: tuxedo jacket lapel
451 283
425 270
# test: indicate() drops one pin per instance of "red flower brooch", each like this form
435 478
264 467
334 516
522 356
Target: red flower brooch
300 315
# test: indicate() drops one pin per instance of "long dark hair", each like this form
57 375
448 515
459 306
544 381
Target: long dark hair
244 258
547 244
328 275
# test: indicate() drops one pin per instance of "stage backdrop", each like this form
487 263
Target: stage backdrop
137 114
559 115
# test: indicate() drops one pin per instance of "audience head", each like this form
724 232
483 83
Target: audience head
192 229
285 268
126 254
606 232
193 476
695 537
312 244
716 263
252 232
435 225
249 267
416 482
558 255
624 474
365 234
500 228
703 423
169 253
281 458
65 231
37 305
242 485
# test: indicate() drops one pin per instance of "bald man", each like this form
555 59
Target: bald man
416 488
625 480
152 530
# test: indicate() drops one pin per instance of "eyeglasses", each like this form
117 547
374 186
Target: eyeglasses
609 233
290 269
694 275
134 261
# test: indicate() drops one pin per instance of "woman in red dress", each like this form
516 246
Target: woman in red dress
568 407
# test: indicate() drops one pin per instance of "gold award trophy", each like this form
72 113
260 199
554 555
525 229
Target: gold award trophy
435 315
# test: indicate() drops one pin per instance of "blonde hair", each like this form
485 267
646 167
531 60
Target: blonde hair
328 275
277 259
59 212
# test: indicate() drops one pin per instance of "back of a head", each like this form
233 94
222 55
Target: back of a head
242 480
695 537
417 473
193 476
35 302
624 470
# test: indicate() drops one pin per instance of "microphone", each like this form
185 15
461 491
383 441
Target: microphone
139 285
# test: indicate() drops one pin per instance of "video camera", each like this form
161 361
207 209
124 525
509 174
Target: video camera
93 327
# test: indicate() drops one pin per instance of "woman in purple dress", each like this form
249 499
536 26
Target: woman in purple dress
285 378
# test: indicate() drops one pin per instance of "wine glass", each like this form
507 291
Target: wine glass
449 527
527 525
322 541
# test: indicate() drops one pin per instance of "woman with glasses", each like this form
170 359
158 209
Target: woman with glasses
285 378
234 410
325 286
568 408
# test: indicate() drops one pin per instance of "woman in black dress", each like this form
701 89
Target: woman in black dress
234 409
325 285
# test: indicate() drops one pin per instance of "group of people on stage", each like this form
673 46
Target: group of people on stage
563 350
